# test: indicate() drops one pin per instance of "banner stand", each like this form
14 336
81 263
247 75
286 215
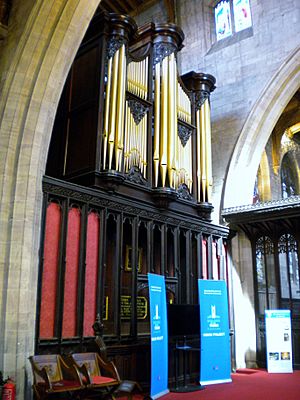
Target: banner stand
159 336
215 363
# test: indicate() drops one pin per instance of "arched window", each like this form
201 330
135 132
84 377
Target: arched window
265 274
288 177
232 16
289 269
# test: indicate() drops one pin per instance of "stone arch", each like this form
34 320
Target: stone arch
256 131
31 87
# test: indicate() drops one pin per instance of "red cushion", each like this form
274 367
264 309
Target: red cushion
98 380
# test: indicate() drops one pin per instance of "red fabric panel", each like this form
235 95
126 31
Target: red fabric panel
91 273
215 263
50 269
204 259
71 274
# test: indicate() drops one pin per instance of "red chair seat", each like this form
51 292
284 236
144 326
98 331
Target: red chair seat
99 380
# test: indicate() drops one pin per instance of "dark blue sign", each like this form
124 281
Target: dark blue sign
215 366
159 336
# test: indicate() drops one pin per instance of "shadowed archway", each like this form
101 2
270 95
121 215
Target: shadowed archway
256 131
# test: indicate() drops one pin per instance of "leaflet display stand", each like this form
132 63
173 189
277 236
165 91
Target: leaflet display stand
185 349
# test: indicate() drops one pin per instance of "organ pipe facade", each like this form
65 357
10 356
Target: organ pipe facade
150 126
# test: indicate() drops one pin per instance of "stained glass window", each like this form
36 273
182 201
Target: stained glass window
242 15
232 16
223 19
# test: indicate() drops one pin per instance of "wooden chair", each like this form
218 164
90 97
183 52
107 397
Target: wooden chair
52 375
96 373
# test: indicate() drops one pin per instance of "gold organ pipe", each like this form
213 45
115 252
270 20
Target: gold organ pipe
139 64
142 82
198 155
133 68
129 139
119 142
176 138
138 79
186 164
190 170
146 78
164 121
112 122
171 119
129 77
208 149
126 137
134 78
156 123
145 146
141 152
189 163
203 152
132 140
106 113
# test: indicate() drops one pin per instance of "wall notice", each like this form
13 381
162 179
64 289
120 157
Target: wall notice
279 340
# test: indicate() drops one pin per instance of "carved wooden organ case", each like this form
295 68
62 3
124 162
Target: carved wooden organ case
127 191
146 124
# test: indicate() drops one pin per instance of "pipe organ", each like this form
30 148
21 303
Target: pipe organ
150 126
127 192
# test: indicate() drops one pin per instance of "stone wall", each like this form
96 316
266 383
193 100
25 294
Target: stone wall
243 67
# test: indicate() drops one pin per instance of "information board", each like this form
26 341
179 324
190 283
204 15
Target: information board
279 341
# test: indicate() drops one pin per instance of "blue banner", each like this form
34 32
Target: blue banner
215 365
159 336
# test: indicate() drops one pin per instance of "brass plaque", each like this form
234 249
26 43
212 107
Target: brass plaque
141 303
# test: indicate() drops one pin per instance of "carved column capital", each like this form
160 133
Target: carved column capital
201 84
